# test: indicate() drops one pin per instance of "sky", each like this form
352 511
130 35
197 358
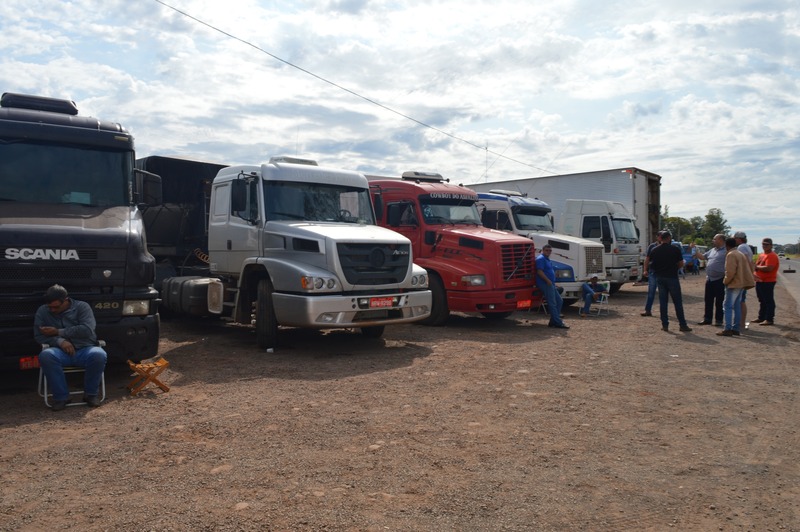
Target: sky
704 94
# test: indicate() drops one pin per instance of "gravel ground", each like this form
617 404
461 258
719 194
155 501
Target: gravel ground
479 425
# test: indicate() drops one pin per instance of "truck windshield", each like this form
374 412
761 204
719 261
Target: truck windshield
43 173
532 219
449 211
317 202
625 230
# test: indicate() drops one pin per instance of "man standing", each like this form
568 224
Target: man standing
738 276
744 248
67 326
715 271
546 282
651 278
666 260
766 275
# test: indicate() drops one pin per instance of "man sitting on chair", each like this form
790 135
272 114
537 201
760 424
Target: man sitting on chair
591 292
67 326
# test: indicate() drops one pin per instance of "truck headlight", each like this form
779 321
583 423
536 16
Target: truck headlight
317 283
135 307
473 280
563 274
419 280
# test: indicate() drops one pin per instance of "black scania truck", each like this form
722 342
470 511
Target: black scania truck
70 213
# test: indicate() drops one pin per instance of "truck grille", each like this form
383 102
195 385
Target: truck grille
518 261
374 264
43 273
594 260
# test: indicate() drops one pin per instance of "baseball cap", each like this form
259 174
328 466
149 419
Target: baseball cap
665 234
739 234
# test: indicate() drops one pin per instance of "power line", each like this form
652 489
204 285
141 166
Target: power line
349 91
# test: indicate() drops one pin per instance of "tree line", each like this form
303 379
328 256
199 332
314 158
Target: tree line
701 230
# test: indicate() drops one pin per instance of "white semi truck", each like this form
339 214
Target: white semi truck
288 243
619 208
575 259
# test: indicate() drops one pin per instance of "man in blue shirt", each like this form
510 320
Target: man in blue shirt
546 282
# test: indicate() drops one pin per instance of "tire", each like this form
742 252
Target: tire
614 288
376 331
568 302
439 310
496 315
266 322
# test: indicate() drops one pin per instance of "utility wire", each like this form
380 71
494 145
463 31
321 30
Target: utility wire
349 91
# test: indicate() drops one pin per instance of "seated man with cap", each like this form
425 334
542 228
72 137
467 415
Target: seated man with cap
591 293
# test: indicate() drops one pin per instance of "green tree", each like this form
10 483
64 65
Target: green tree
715 223
679 227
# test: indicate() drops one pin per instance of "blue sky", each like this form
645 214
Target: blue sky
705 94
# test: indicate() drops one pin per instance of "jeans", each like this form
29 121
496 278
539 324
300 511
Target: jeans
668 286
714 296
733 308
554 302
652 282
766 297
52 361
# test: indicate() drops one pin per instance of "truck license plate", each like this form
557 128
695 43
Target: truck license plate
524 303
381 302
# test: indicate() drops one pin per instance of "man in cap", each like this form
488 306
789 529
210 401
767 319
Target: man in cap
766 275
665 261
591 292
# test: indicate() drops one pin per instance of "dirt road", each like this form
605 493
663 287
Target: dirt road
479 425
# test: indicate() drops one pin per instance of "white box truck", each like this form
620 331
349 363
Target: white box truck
609 197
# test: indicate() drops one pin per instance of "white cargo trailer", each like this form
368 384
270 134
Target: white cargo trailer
638 191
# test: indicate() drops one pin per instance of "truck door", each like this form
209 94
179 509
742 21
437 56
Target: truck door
404 217
235 222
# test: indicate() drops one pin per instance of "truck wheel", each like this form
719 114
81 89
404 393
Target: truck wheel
375 331
568 302
439 310
496 315
266 323
614 288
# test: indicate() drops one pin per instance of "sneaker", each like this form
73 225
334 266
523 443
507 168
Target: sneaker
59 405
91 400
747 325
766 322
704 322
726 332
646 313
685 328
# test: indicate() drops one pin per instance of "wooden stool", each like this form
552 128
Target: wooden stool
147 372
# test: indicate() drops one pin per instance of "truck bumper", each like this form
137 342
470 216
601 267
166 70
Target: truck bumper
623 275
572 290
327 312
134 338
494 301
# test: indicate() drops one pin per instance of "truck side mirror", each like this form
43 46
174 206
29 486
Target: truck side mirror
393 214
377 202
239 196
146 188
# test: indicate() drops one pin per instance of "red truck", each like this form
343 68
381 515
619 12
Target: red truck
472 269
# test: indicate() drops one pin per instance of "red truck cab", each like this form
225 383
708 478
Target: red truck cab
472 269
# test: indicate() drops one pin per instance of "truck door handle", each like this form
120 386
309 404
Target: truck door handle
230 246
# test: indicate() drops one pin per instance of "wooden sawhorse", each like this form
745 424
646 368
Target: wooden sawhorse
147 372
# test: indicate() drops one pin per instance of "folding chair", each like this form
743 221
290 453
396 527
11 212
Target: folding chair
601 304
146 373
44 393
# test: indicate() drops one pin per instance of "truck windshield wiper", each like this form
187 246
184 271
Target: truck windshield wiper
7 199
